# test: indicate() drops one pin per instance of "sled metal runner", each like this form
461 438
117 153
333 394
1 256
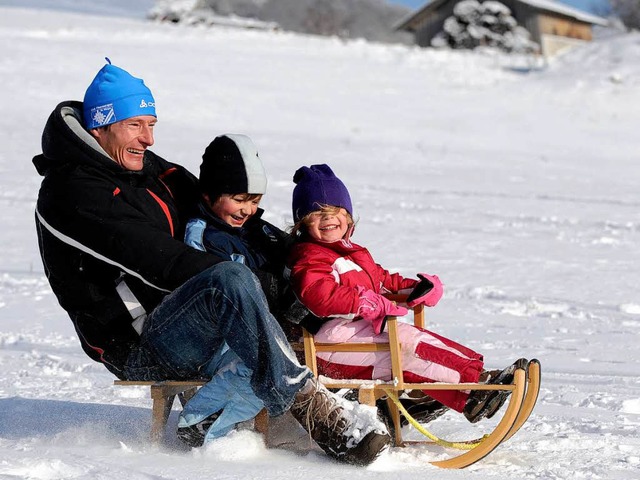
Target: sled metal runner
524 391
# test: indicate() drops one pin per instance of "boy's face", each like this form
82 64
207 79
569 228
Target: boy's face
234 209
329 226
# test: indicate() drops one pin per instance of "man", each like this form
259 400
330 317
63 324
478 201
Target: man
110 217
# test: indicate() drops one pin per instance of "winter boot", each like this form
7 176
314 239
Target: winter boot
487 375
485 403
193 435
346 431
424 409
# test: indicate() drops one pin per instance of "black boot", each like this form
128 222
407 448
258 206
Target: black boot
423 409
486 403
193 435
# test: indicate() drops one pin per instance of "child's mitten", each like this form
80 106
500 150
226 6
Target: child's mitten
428 292
375 308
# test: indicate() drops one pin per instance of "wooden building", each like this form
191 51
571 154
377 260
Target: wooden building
552 25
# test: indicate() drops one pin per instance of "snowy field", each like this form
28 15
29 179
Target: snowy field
520 190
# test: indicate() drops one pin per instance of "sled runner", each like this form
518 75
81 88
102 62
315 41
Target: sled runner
524 391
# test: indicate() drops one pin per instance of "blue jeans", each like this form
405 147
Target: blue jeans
187 330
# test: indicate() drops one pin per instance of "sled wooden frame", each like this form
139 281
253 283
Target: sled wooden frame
515 414
163 394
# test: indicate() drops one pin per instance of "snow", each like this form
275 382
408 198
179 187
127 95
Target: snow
520 190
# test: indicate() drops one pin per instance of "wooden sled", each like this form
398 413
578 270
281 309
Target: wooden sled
524 389
163 394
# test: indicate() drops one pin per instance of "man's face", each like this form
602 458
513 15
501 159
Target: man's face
126 141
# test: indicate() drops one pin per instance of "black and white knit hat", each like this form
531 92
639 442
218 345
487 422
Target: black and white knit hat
231 164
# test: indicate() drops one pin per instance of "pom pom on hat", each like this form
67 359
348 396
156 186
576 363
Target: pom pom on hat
231 164
115 95
316 186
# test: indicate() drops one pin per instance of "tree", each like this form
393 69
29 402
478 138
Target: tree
369 19
628 11
325 17
474 24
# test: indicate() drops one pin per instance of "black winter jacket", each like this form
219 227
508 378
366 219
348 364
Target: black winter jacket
100 227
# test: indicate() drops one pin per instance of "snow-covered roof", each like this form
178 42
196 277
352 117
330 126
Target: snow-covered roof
546 5
558 7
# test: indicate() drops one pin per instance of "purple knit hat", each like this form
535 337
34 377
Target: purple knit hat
317 185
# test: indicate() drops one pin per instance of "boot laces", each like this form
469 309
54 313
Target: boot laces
321 409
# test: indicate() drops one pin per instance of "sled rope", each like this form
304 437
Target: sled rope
437 440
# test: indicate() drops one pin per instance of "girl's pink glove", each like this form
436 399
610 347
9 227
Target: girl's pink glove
427 292
375 308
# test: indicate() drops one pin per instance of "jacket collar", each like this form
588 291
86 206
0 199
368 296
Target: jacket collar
343 247
66 142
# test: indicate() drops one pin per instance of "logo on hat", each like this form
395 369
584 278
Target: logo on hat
103 114
144 104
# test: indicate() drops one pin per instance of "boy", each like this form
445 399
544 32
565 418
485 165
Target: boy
229 225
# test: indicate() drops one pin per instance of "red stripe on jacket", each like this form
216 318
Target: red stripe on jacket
165 209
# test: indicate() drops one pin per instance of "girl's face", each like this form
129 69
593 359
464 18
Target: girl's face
327 226
235 209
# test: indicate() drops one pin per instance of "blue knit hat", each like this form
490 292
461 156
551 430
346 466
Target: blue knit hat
115 95
316 186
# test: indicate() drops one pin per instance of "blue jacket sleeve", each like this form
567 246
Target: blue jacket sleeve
194 233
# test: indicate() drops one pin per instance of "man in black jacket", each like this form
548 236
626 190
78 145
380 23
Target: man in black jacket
110 216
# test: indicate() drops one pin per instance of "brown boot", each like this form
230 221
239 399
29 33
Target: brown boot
346 431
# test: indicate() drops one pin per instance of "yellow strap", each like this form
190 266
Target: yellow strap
445 443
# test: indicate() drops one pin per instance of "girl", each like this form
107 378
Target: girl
339 282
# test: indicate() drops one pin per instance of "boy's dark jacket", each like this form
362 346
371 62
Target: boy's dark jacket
99 225
262 247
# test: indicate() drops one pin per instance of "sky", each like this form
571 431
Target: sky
515 181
